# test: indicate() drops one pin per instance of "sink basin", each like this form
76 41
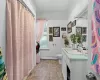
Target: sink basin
68 49
71 51
75 52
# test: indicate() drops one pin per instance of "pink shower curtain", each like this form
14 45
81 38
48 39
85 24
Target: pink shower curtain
40 29
20 40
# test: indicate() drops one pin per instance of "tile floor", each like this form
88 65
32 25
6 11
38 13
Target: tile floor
46 70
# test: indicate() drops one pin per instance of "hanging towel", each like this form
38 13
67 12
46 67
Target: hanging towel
3 74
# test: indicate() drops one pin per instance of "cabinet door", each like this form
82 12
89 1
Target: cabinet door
58 46
55 46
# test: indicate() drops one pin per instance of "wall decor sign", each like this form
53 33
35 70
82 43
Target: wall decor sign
64 35
50 30
84 30
56 31
74 23
69 27
50 38
3 73
78 30
63 29
84 37
96 36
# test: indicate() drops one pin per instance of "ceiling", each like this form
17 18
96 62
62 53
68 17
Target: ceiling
51 5
83 14
52 9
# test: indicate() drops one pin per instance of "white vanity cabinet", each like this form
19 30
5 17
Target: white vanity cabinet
64 70
74 65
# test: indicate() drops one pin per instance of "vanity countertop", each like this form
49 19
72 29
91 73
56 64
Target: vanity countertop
74 54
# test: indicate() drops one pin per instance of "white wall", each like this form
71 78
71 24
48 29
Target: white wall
52 15
83 23
80 23
54 50
3 26
75 7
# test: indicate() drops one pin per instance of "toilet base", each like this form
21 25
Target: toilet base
60 61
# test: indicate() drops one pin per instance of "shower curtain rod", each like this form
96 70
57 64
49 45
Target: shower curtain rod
23 3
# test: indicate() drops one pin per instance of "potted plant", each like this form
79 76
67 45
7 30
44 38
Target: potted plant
73 39
79 38
66 41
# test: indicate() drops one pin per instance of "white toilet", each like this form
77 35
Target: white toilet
59 56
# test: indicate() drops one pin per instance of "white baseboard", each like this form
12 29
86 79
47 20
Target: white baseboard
49 57
25 78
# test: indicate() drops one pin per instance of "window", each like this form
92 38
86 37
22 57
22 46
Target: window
44 39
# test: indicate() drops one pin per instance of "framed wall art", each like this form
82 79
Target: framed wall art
69 27
74 23
84 38
50 38
56 31
78 30
63 29
84 30
50 30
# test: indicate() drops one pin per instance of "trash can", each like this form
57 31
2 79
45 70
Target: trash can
91 76
59 56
